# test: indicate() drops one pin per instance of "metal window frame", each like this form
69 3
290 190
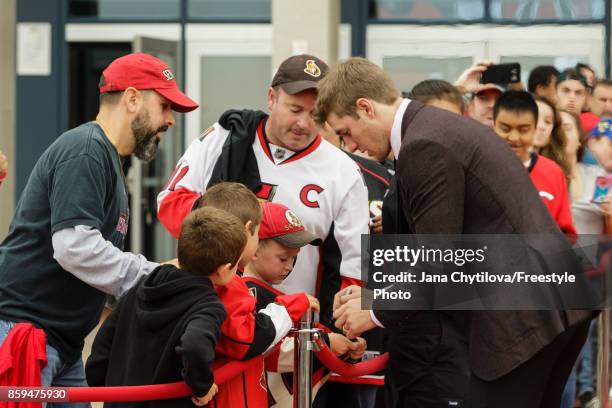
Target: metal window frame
182 18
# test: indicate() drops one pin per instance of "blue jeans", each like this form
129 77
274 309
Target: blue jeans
569 393
585 377
55 373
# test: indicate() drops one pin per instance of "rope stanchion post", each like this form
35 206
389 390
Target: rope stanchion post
303 347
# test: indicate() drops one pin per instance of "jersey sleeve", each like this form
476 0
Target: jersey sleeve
245 332
189 179
350 223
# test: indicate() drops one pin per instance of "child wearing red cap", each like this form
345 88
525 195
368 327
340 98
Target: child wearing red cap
248 332
281 235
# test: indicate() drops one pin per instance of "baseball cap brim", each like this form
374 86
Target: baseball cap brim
298 239
180 102
293 88
489 87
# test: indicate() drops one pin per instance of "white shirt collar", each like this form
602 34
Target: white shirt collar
396 130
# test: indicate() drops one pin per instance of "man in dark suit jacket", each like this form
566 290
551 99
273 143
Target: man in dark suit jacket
456 177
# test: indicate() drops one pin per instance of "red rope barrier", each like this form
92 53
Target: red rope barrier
329 360
180 389
152 392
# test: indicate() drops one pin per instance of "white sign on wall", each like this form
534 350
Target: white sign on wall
34 49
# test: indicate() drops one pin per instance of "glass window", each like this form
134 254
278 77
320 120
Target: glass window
226 85
242 10
125 9
427 10
409 71
533 10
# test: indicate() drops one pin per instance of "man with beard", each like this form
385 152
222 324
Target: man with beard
63 253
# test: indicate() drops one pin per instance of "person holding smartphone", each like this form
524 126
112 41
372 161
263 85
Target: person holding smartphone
484 82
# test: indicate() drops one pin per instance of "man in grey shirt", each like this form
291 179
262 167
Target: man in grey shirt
64 250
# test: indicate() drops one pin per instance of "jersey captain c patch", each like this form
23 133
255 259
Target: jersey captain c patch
309 194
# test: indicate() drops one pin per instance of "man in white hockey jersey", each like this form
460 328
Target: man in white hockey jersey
282 158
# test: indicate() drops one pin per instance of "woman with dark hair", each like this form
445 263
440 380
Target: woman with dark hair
550 140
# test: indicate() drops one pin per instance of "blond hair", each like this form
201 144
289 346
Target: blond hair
350 80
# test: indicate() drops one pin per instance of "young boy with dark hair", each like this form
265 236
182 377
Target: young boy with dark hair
281 235
165 328
515 116
248 332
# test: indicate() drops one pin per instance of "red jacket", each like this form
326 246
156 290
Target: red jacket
23 355
550 182
247 334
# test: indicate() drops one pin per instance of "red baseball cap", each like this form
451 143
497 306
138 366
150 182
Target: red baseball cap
282 225
144 71
588 121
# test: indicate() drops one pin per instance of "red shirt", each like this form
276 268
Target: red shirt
549 180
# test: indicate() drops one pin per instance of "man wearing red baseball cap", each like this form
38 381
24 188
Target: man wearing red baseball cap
138 93
64 251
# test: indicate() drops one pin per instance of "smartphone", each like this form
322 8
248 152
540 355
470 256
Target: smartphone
602 189
502 74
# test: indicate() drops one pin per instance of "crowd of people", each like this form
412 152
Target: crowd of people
268 210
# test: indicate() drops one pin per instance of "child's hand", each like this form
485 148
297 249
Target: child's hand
201 401
340 345
314 303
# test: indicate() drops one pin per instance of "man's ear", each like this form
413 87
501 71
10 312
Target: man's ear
272 97
132 99
366 106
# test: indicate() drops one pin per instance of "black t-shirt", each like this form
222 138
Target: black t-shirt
76 181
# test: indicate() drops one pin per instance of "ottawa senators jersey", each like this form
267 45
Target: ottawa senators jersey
321 184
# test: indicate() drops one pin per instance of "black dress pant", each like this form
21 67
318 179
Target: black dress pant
537 383
428 363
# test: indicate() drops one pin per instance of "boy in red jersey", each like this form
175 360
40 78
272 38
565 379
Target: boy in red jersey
515 116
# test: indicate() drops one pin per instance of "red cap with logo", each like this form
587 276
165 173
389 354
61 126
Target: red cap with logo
144 71
281 224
